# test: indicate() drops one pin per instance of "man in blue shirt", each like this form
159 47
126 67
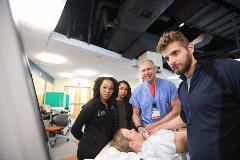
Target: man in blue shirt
210 99
155 101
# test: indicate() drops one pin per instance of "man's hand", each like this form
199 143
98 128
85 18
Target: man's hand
143 131
151 126
153 130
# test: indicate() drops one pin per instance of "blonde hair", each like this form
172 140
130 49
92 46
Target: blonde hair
169 37
120 142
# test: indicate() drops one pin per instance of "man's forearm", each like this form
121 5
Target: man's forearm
136 120
171 115
138 125
176 106
136 117
173 124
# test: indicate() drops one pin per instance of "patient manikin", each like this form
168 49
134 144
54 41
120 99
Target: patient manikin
163 145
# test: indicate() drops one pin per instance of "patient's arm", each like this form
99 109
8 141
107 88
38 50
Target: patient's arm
76 141
181 142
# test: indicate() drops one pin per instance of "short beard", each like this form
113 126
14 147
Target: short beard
186 66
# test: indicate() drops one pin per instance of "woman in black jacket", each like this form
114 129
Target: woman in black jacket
122 111
96 117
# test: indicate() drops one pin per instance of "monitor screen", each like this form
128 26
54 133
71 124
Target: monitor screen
22 134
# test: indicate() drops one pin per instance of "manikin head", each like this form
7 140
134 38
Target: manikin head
126 140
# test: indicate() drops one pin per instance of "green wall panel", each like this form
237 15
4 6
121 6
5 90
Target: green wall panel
54 99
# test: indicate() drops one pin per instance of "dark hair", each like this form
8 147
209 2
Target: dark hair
129 92
97 85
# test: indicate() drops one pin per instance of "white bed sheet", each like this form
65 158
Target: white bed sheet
111 153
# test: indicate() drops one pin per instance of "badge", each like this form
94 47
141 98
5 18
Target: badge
155 114
101 113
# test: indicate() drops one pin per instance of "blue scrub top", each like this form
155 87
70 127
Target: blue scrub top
143 99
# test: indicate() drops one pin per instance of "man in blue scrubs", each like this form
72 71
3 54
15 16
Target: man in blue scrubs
155 101
210 99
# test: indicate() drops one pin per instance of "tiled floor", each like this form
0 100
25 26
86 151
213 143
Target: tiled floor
63 149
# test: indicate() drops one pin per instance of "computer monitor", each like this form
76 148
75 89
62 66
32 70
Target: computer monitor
22 135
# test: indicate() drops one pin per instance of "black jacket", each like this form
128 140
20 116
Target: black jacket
115 117
97 132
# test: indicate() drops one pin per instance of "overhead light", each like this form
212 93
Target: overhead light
181 25
86 72
105 75
173 77
51 58
43 14
67 74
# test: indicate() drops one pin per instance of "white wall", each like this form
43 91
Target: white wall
133 84
165 74
60 83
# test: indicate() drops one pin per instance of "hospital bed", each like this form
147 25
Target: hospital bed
110 153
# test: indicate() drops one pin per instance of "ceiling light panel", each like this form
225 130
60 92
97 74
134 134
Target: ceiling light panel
51 58
67 74
42 14
105 75
86 72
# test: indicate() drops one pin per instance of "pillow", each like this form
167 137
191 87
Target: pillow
110 153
